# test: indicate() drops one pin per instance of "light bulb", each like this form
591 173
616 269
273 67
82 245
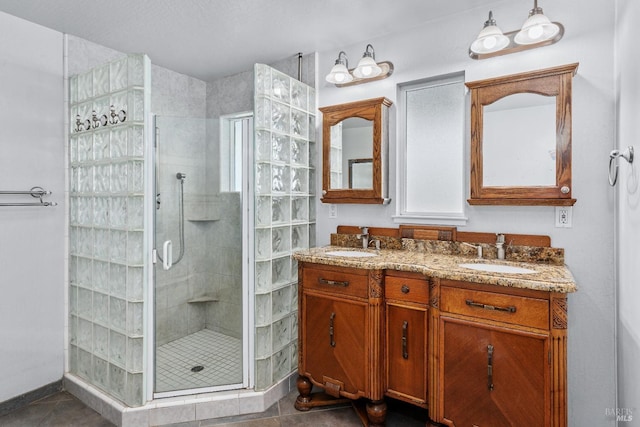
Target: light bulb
489 42
366 71
535 32
339 77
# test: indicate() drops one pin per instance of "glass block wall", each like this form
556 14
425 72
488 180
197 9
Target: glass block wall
107 111
284 214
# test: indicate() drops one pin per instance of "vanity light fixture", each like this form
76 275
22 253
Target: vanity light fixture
537 31
367 69
340 74
490 38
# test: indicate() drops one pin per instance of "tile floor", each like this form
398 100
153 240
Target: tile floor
64 410
220 355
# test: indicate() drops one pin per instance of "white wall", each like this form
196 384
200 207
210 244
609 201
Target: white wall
32 249
422 52
628 213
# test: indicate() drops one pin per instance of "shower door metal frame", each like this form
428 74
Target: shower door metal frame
151 259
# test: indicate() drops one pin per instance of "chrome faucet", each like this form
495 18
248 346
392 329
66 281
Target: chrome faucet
365 237
376 243
500 245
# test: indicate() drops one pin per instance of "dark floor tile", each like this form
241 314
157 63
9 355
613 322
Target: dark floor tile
31 415
263 422
71 413
272 412
55 398
343 417
58 410
286 405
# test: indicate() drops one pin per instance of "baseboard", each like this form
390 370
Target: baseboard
29 397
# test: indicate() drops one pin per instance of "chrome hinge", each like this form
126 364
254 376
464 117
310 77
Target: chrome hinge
154 256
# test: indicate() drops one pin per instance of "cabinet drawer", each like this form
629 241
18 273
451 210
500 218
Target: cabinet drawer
512 309
336 280
405 289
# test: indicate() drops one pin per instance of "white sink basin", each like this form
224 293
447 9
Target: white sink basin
497 268
352 254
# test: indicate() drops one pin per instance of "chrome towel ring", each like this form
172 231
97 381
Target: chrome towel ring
613 173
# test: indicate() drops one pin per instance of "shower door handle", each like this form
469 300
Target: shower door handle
167 255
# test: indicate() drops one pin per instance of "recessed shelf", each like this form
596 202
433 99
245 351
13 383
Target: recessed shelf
202 299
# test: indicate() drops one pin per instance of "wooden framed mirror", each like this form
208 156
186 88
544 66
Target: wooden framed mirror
354 152
521 138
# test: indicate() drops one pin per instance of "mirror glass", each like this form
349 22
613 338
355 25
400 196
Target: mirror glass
361 174
352 144
519 141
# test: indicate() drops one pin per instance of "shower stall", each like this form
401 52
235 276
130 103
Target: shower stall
181 234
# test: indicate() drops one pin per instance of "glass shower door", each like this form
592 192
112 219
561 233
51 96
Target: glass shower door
199 289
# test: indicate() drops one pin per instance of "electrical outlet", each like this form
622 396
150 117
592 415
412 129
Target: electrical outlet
563 216
333 210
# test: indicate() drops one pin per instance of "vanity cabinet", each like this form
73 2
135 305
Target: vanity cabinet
501 356
340 337
406 302
472 354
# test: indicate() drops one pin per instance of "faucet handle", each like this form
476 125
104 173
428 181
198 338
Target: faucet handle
365 230
500 239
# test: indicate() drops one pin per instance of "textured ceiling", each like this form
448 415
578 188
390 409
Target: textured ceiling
213 38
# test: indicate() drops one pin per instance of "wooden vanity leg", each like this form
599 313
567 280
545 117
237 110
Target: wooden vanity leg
304 399
376 413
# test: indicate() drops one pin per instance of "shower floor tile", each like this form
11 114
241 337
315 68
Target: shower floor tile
220 356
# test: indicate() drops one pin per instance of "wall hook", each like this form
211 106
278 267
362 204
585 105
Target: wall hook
626 154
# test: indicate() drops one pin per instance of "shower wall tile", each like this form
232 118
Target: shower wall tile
134 354
263 309
118 280
101 311
264 378
117 380
118 314
101 372
101 80
100 145
133 390
117 348
85 334
135 284
118 74
281 333
263 341
85 86
134 319
281 364
101 341
85 365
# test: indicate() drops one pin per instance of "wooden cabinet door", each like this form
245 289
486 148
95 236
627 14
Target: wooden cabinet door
334 344
406 353
493 376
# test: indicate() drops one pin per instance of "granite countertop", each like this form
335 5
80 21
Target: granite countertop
549 278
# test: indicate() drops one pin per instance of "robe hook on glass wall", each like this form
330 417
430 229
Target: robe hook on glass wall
613 172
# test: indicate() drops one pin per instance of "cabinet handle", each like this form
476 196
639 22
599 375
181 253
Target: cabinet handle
490 367
405 289
332 343
323 281
405 326
510 309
